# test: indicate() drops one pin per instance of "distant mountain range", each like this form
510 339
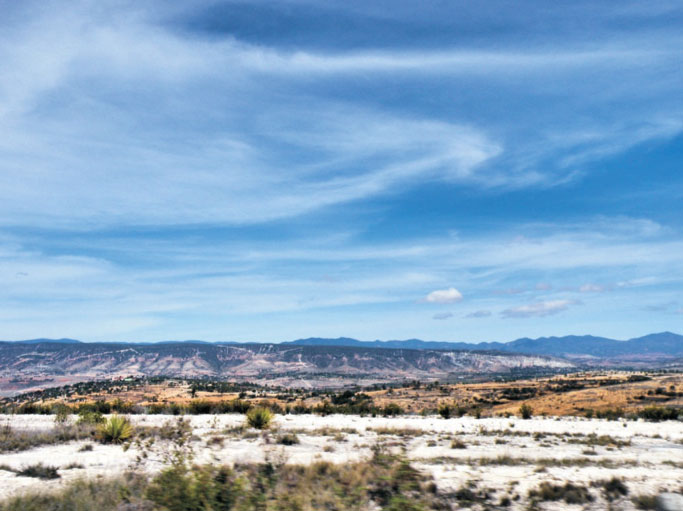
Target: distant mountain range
313 361
660 345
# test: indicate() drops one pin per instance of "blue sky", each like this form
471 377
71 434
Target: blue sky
263 171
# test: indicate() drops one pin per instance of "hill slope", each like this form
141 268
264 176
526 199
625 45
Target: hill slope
258 361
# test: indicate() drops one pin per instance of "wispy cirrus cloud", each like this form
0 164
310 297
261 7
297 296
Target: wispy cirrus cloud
213 140
538 309
174 169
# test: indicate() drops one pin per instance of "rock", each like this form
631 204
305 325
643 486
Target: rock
670 502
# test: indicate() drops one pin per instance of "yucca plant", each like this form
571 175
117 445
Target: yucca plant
259 418
116 430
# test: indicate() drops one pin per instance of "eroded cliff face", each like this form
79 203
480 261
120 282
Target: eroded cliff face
258 360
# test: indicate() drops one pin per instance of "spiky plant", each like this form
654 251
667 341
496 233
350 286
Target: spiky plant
259 418
116 430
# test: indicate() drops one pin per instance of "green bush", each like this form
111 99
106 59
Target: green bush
659 413
386 481
62 413
116 430
445 410
392 410
526 411
259 418
90 417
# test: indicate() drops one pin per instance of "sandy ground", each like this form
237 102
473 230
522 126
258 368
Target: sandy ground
507 457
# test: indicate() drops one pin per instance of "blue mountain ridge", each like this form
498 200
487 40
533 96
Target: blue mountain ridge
663 343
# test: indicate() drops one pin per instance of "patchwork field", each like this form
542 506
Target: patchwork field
581 394
488 463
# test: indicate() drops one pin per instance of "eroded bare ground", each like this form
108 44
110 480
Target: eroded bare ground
481 463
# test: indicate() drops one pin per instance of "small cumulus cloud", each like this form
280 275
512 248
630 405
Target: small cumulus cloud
538 309
543 286
479 314
442 315
450 295
592 288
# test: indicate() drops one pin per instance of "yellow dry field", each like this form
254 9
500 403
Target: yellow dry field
601 392
597 391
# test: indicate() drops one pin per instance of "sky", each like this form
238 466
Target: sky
266 171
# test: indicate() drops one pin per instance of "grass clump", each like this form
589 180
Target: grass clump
12 440
39 471
458 444
116 430
288 439
570 493
82 495
259 418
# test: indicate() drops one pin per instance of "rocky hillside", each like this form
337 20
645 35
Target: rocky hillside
49 358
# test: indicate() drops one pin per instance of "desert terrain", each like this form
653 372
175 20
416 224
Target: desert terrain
487 463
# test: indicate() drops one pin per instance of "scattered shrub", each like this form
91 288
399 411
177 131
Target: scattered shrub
40 471
259 418
288 439
445 410
613 488
15 440
525 411
570 493
458 444
659 413
90 417
61 414
392 410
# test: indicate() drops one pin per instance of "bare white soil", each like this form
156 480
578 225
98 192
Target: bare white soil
507 457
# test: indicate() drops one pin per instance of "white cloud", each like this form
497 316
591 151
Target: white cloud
592 288
450 295
140 124
538 309
163 284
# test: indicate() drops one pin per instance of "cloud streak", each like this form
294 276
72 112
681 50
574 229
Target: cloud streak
538 309
198 137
